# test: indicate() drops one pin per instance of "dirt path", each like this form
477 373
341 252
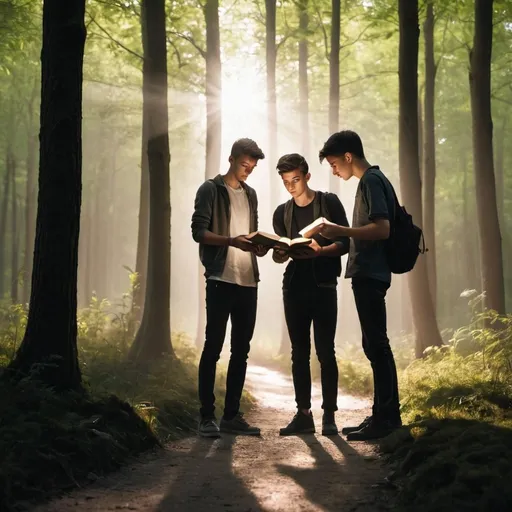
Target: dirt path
242 474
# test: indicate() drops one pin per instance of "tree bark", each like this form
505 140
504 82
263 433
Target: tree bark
425 320
213 89
334 77
154 335
500 171
429 152
141 261
50 337
213 131
14 230
271 58
30 205
488 223
3 220
303 76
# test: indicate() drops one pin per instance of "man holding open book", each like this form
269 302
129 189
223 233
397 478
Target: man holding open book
309 288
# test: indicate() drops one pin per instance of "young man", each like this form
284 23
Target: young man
309 291
371 277
225 212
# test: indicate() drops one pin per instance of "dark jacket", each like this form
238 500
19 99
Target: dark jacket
212 212
326 270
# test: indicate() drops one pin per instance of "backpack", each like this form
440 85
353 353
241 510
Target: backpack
405 242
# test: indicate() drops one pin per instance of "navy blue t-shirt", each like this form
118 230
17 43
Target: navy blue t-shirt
374 200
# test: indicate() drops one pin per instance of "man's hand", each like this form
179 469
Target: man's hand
313 250
280 256
261 250
329 231
241 242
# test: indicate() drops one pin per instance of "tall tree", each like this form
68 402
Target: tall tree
429 150
154 335
3 220
425 321
334 76
488 223
302 6
30 198
51 331
271 58
14 230
141 260
213 87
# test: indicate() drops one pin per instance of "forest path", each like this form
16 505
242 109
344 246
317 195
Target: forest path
248 474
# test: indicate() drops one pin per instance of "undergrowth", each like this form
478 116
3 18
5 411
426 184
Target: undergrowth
456 452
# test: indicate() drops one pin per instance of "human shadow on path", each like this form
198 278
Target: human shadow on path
207 481
340 477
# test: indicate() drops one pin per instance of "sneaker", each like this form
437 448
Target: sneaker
374 429
208 428
349 430
300 424
238 425
329 427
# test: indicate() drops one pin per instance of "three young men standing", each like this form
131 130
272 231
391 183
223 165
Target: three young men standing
220 221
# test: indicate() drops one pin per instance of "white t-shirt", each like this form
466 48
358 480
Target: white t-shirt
238 268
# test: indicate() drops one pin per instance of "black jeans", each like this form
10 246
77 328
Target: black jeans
222 301
370 298
320 306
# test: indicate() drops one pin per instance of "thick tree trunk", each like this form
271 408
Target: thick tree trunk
472 271
334 77
30 204
14 230
154 335
141 261
303 77
425 320
480 87
429 152
3 221
51 331
500 171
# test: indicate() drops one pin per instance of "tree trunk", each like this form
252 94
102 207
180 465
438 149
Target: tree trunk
51 331
30 205
429 152
213 131
500 171
303 77
154 335
141 261
14 230
3 221
480 87
271 58
334 78
425 321
213 89
472 272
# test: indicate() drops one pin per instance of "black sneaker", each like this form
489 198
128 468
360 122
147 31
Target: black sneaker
374 429
208 428
349 430
329 427
238 425
300 424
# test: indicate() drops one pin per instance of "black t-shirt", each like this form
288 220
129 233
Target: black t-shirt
374 200
303 274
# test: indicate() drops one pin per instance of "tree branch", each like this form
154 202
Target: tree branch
190 40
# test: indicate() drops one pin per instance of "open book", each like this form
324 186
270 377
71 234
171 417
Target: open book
309 230
275 241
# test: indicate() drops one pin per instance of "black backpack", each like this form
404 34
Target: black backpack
405 241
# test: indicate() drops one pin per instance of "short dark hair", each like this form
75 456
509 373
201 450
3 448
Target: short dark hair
340 143
291 162
246 147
